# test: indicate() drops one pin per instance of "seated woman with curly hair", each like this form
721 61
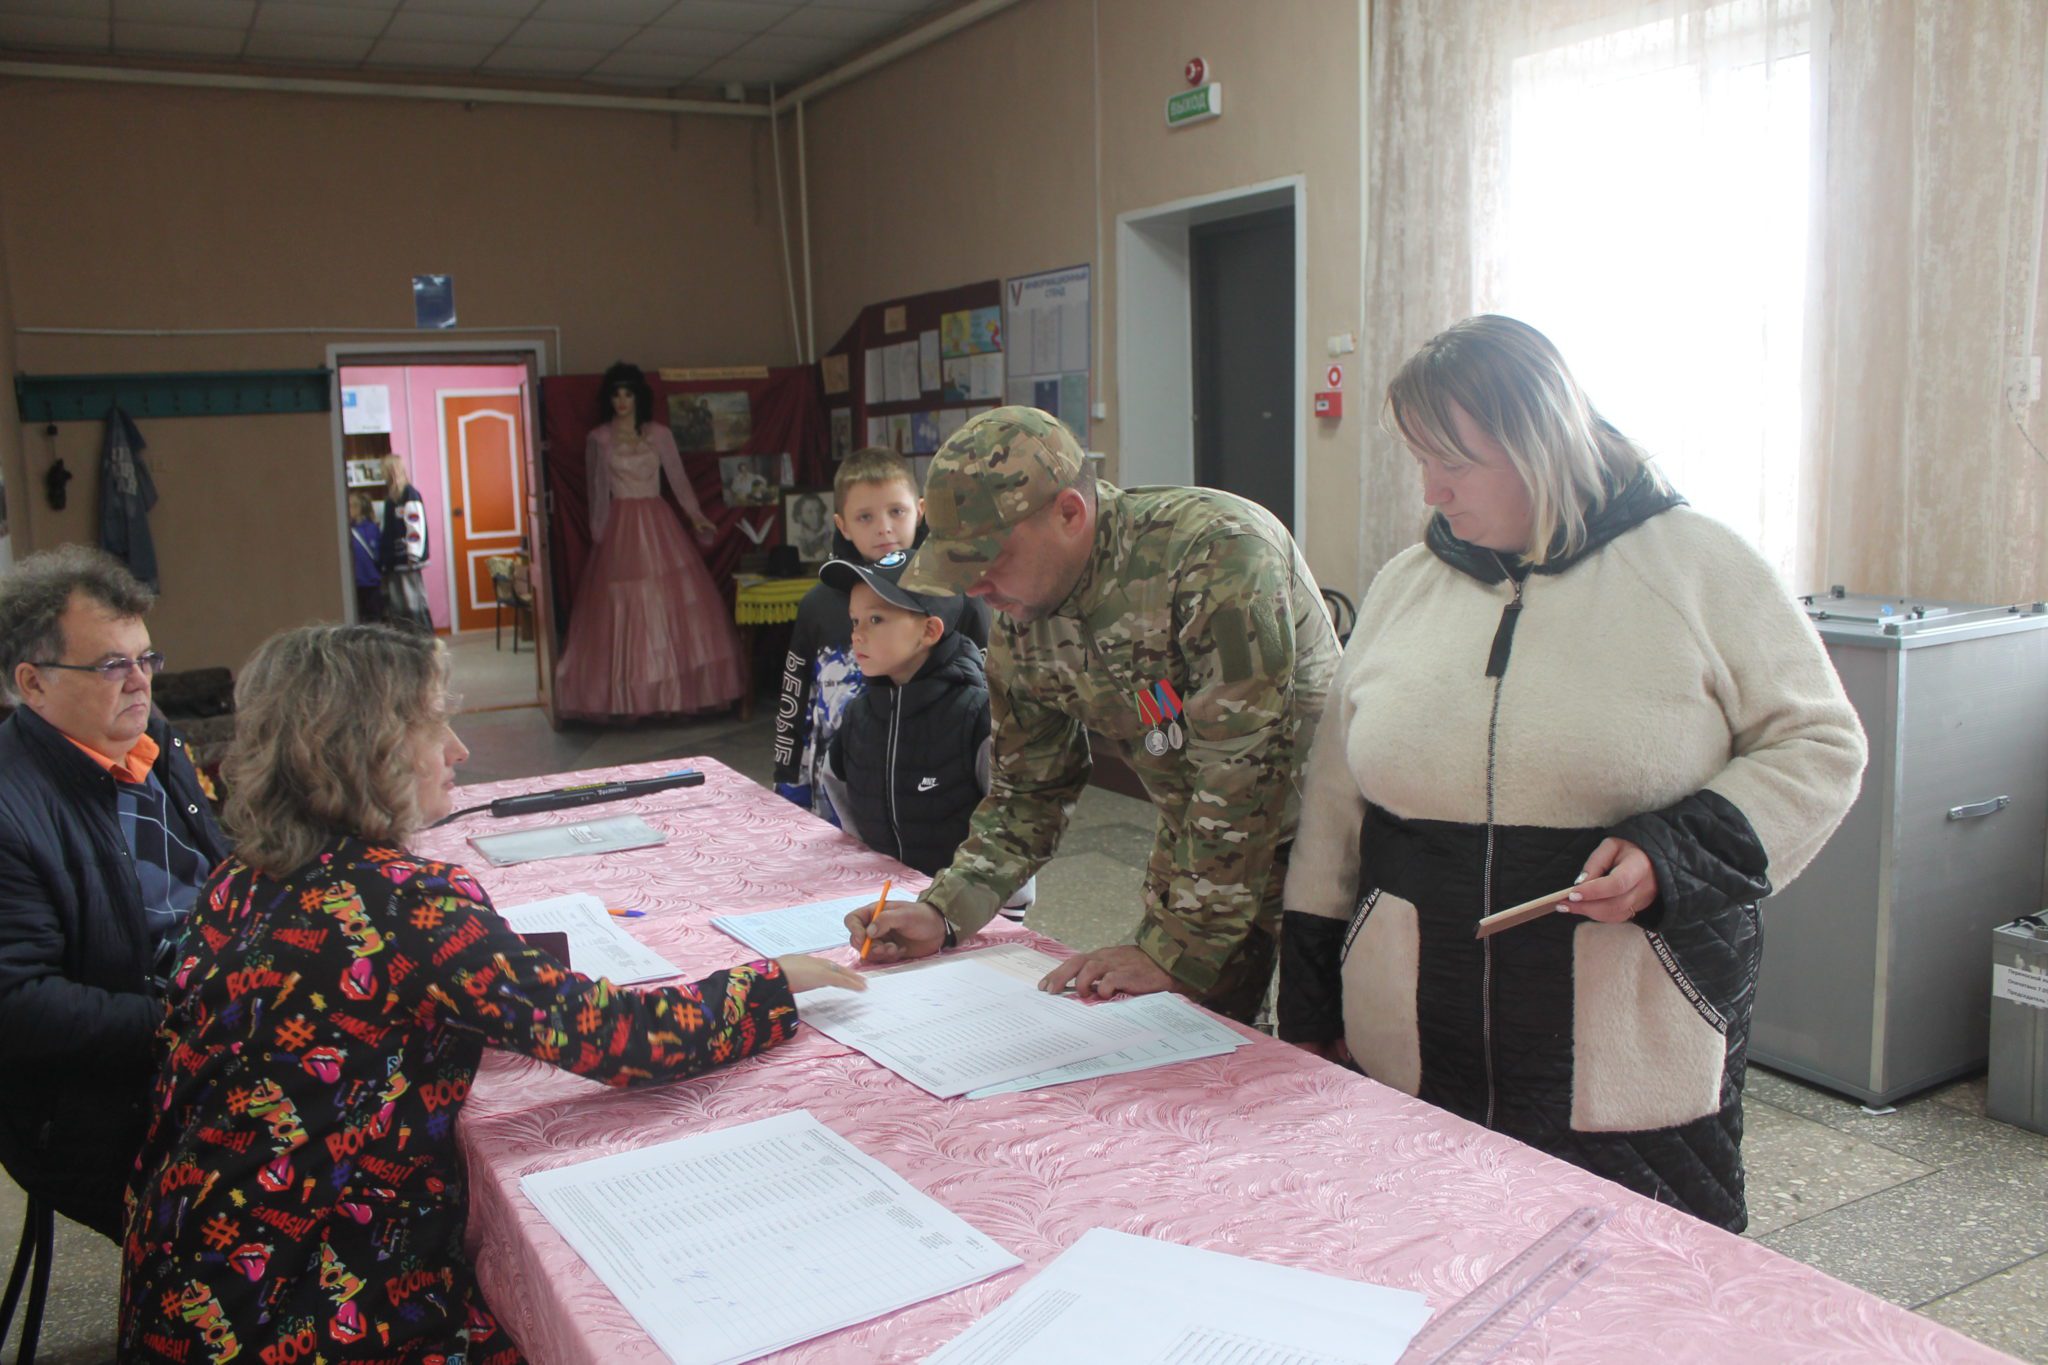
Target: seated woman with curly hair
334 996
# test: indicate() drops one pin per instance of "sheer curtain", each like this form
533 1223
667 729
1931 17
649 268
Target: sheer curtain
1750 228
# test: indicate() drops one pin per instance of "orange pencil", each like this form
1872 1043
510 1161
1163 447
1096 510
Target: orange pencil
881 901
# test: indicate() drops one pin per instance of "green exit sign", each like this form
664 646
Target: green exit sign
1192 106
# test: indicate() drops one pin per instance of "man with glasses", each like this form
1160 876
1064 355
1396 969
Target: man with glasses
105 840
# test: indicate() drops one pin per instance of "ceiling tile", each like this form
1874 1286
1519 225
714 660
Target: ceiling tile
489 30
54 30
685 42
789 47
73 9
500 9
332 21
751 71
737 16
306 47
543 61
181 39
203 13
608 11
414 52
832 21
556 33
672 67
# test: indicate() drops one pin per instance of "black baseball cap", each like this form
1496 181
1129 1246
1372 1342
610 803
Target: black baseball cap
883 576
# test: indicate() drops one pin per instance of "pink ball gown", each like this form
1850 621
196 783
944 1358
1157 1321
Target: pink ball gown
651 635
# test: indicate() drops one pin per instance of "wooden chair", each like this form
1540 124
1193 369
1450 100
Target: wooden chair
512 577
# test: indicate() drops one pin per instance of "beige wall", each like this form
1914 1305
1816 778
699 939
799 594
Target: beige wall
638 235
12 470
976 158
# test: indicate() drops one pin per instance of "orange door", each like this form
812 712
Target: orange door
484 447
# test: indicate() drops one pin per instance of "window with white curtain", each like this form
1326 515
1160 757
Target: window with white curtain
1655 228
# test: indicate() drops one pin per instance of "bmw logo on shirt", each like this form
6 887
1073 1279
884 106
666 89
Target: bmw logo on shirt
892 559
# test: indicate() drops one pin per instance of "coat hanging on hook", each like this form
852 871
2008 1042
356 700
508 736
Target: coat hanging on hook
126 494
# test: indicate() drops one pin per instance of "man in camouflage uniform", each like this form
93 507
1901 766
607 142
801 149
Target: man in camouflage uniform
1180 624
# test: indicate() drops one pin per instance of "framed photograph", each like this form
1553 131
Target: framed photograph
807 524
366 473
749 480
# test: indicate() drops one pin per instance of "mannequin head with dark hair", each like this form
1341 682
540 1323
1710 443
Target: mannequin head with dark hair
625 378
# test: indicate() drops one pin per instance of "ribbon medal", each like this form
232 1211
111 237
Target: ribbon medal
1159 707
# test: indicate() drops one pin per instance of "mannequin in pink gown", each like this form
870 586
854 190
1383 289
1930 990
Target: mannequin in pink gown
650 635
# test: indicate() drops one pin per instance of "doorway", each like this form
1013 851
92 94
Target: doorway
464 426
1241 319
1205 288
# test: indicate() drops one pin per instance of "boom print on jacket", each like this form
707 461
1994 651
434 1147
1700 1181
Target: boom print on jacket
299 1196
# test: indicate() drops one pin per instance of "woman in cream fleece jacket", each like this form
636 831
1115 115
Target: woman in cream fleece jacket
1575 681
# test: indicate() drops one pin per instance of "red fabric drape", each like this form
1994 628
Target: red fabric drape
787 418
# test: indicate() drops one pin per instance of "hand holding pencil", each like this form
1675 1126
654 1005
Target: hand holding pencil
895 932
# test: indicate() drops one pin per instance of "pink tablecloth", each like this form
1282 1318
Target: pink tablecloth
1267 1152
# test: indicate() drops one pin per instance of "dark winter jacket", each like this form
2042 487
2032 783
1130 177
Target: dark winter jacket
910 757
78 1013
820 679
1487 731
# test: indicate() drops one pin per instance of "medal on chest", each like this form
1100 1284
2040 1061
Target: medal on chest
1159 707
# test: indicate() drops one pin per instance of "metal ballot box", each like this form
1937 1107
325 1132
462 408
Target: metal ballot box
1874 982
2017 1089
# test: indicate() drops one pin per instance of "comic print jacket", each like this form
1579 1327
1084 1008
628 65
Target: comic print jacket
1206 592
299 1196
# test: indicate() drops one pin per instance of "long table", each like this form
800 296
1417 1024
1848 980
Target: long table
1268 1152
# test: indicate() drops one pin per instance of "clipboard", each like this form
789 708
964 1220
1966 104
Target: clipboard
1521 914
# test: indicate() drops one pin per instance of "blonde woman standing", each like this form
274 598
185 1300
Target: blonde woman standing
300 1179
1575 681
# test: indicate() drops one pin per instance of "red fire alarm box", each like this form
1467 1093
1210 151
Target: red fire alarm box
1330 404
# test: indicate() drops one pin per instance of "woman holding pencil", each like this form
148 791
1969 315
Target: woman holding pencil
1578 692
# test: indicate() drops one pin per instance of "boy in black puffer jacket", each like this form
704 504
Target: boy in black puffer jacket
910 760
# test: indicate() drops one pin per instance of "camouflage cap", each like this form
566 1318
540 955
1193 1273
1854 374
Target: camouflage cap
991 474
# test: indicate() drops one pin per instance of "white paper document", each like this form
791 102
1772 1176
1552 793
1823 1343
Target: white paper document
729 1245
955 1026
1185 1033
1199 1308
808 928
598 946
567 841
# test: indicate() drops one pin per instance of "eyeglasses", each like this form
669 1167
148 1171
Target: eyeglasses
113 670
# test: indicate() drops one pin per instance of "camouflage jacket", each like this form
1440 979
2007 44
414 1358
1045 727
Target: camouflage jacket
1209 593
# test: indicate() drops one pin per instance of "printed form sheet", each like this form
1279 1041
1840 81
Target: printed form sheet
729 1245
956 1026
808 928
1200 1308
1186 1031
597 945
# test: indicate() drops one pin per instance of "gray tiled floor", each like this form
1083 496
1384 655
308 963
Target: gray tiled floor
1935 1206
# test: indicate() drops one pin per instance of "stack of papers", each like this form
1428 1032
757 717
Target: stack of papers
956 1026
1112 1296
1183 1031
567 841
597 945
810 928
729 1245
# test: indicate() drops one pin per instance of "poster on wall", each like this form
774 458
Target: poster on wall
842 433
1047 328
751 480
365 409
6 539
711 421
